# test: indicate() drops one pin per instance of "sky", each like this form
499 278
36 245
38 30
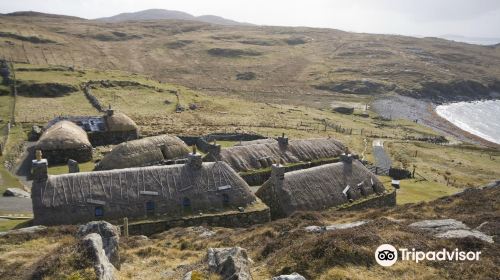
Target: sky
478 19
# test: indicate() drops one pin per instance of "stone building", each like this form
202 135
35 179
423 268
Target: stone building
154 192
144 152
318 188
266 152
65 140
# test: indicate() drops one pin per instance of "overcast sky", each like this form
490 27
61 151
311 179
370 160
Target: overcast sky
471 18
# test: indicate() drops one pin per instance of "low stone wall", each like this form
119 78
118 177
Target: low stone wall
243 219
83 154
385 200
102 138
258 177
203 142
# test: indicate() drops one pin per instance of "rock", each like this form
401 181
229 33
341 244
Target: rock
231 263
16 192
247 76
463 233
92 244
110 238
187 276
293 276
451 228
319 229
493 184
204 232
439 225
26 230
73 166
34 133
193 106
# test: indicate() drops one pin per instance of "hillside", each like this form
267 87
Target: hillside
272 64
159 14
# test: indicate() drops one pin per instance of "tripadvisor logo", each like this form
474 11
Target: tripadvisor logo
387 255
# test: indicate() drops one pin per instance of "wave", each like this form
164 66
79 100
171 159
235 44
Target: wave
481 118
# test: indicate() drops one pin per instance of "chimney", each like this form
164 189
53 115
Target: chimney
278 175
194 159
214 151
347 158
282 140
39 167
73 166
110 111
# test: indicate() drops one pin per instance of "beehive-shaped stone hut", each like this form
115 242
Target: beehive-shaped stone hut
65 140
168 191
318 188
262 155
143 152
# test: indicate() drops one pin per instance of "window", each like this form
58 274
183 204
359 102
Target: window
186 202
225 199
150 206
99 211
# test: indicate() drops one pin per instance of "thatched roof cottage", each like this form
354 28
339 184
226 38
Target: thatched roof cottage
111 128
158 191
318 188
143 152
263 155
65 140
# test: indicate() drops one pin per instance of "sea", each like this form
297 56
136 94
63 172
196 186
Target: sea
481 118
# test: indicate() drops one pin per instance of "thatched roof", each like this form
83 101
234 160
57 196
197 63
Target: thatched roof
63 135
319 187
144 151
248 157
119 122
258 141
169 184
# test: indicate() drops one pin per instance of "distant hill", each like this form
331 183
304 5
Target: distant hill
159 14
37 14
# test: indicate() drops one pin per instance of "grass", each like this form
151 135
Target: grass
11 152
6 224
412 191
63 169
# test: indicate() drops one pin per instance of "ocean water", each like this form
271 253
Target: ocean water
481 118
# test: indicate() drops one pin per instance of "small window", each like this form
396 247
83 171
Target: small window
225 199
186 202
150 206
99 211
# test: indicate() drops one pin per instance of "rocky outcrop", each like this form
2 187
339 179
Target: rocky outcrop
231 263
93 247
450 228
293 276
110 238
26 230
16 192
319 229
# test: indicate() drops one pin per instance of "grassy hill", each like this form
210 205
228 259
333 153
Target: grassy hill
307 66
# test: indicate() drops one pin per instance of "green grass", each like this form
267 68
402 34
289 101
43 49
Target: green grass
7 224
17 135
63 169
227 144
412 191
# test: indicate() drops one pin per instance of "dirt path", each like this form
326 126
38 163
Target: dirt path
382 160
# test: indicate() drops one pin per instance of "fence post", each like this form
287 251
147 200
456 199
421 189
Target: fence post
125 227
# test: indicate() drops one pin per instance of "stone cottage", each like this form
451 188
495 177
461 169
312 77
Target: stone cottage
143 152
158 191
65 140
318 188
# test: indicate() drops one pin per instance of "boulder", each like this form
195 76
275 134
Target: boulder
16 192
293 276
451 228
319 229
26 230
93 248
231 263
110 238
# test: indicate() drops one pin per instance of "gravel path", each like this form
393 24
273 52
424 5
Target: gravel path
382 160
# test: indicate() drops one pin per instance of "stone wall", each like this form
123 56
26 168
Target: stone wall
243 219
385 200
102 138
203 142
82 154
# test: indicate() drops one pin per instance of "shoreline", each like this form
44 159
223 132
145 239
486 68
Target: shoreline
425 112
